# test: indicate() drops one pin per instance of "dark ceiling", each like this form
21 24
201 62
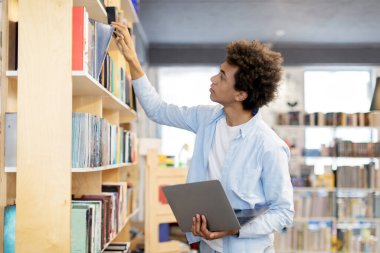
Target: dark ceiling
304 31
273 21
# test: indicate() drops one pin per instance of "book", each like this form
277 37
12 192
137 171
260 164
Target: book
9 229
81 218
107 206
79 35
10 139
96 221
122 246
13 45
112 14
103 34
121 188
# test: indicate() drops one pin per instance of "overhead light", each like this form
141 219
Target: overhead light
280 33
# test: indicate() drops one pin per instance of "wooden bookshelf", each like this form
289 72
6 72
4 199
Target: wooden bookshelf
85 85
44 92
158 213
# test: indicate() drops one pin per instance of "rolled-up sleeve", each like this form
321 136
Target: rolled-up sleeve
161 112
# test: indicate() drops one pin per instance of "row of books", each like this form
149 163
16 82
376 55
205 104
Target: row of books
299 118
97 143
314 204
361 239
97 219
351 149
90 42
314 236
364 176
320 236
359 207
117 81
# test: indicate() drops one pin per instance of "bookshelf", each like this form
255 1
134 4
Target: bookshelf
157 213
44 92
350 219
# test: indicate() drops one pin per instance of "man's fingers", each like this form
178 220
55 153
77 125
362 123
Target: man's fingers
197 224
193 227
207 234
119 34
118 25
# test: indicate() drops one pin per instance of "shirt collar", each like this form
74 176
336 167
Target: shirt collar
247 126
244 130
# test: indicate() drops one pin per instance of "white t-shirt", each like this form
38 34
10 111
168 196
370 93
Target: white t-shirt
224 135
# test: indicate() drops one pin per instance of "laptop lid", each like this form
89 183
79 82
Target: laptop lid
207 198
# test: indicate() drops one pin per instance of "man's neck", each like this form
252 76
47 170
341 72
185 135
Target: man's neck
237 116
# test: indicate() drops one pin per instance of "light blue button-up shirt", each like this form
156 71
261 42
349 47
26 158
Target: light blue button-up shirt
255 170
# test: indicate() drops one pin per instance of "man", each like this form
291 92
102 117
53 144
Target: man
233 144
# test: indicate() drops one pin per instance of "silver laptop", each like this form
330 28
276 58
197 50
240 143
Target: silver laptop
207 198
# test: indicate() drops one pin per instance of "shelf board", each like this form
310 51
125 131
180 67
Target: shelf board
302 127
102 168
129 11
11 74
353 220
342 189
94 8
307 219
313 189
81 170
85 85
129 217
353 189
10 169
334 157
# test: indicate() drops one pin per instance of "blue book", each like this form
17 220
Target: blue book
103 34
9 229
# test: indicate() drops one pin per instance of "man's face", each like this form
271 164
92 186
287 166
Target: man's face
222 85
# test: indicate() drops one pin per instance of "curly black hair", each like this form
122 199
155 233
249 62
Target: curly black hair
260 70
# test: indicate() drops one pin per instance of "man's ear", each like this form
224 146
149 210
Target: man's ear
241 96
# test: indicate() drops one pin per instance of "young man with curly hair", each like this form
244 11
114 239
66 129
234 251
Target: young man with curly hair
233 144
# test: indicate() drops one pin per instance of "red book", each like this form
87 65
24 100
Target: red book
161 196
78 38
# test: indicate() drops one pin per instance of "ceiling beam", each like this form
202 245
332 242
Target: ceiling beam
294 55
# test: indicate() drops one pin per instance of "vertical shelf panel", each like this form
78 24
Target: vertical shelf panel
87 183
157 213
44 126
112 116
91 104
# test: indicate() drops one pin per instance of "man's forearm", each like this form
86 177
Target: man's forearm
136 69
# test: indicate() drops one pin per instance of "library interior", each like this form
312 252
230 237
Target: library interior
106 105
